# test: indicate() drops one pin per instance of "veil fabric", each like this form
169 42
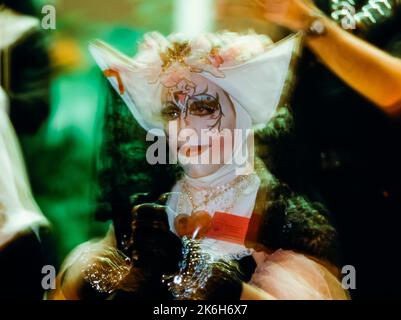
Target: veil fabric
18 209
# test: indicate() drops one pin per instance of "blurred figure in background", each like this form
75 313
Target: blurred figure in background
346 139
26 244
368 70
26 74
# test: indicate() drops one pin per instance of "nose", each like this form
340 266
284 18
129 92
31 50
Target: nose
183 122
187 130
191 122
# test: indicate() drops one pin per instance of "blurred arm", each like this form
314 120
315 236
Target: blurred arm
372 72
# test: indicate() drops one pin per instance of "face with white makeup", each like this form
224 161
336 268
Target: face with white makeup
205 120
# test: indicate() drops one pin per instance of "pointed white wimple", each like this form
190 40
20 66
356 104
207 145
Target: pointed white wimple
256 84
139 95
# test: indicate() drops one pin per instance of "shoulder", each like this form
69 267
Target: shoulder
286 274
294 223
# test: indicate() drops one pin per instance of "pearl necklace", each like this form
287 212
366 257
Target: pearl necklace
239 184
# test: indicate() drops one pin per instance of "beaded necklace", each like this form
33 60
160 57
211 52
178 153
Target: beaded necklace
239 184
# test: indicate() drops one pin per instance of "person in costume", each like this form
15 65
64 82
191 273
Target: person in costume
25 235
26 79
199 229
349 82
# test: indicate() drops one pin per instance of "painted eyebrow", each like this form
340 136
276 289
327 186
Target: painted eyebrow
173 104
197 97
167 102
204 96
216 99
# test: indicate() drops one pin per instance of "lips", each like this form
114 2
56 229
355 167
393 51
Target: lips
190 151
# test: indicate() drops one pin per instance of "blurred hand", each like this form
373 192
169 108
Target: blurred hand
154 251
203 277
154 247
292 14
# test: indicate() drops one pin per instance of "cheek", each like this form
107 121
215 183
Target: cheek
228 125
198 123
228 121
172 130
222 144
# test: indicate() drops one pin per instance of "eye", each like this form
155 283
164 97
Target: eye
203 108
170 112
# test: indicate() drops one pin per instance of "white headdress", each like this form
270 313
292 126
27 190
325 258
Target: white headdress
249 67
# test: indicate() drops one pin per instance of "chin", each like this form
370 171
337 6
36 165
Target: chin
201 170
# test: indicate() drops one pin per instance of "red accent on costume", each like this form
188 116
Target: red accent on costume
199 221
228 227
115 73
222 226
254 227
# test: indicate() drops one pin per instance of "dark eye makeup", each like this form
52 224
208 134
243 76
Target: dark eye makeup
202 108
170 111
200 105
203 105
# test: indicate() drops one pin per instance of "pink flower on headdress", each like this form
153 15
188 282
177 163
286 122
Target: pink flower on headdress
169 60
215 58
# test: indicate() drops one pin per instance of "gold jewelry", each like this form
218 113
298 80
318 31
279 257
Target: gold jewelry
214 193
